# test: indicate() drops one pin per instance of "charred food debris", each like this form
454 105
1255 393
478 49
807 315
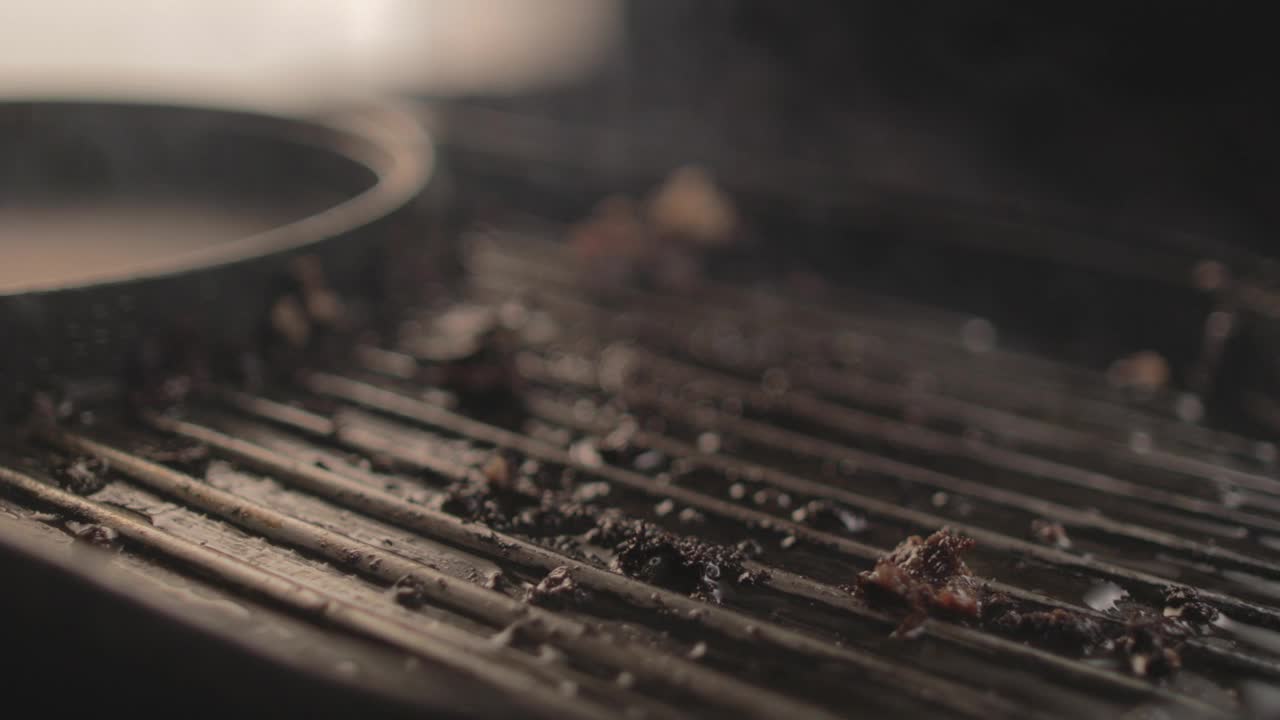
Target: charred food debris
684 564
82 475
93 533
928 576
543 505
1152 648
1184 603
1051 533
557 590
1152 644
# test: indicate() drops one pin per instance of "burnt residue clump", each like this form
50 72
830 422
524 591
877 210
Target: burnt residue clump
1059 628
501 495
491 493
687 565
82 475
926 575
1152 645
1184 603
929 577
563 513
1153 648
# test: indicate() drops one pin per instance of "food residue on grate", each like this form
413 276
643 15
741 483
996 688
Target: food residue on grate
542 505
927 575
409 592
1051 533
684 564
93 533
557 590
82 475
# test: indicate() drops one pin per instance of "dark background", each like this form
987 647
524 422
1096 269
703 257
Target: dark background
1145 130
1153 112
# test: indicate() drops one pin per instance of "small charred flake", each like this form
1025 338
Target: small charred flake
409 592
558 590
94 534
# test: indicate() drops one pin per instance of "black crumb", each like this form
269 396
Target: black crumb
83 475
513 496
409 592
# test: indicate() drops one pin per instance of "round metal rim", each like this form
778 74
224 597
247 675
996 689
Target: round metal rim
386 140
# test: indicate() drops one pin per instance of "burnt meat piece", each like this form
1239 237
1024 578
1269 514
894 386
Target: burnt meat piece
926 575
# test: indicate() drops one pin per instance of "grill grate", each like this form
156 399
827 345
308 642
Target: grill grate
741 410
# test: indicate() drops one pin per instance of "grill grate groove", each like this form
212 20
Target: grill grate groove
328 498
